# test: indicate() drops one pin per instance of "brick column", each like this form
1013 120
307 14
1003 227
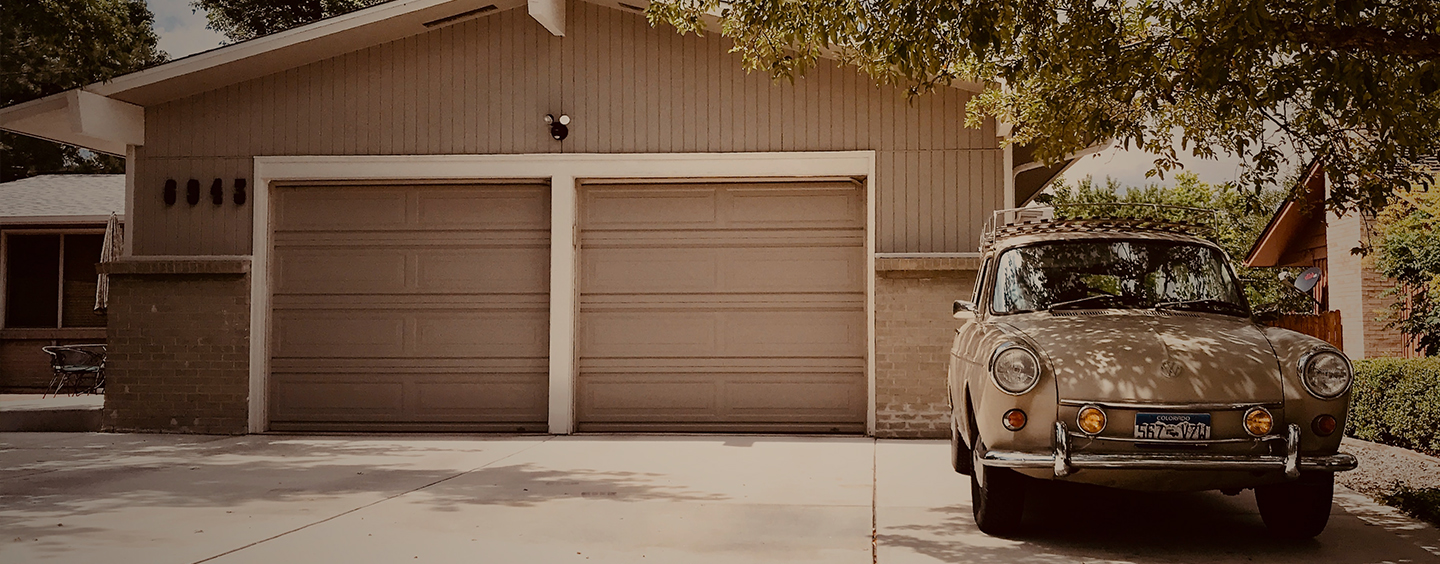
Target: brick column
179 331
913 330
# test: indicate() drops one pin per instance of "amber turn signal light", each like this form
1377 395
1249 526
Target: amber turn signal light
1091 420
1014 420
1323 425
1258 421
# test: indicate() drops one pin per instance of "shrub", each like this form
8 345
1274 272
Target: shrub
1397 402
1422 503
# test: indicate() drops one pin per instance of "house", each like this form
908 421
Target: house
51 231
462 215
1303 233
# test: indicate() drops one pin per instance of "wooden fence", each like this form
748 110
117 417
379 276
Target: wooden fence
1325 326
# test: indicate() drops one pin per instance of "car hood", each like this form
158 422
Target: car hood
1144 356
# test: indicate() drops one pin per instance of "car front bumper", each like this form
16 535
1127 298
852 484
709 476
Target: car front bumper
1065 463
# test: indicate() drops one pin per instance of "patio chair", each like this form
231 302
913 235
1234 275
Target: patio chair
78 367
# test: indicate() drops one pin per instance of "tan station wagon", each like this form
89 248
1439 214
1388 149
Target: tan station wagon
1123 353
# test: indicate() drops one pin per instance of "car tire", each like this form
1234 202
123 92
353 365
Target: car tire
959 453
1000 504
1298 509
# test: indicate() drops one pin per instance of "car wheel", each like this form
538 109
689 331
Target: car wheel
959 453
1000 503
1298 509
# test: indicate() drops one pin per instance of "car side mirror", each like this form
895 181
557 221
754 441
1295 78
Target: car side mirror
964 310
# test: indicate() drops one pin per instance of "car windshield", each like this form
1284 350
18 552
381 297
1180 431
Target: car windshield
1116 274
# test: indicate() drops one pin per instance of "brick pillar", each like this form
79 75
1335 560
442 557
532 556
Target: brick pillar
913 331
178 347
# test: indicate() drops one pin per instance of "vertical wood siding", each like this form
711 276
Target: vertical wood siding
483 87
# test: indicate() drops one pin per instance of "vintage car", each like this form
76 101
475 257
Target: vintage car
1123 353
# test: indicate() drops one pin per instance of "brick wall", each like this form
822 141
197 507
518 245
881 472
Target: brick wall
1379 339
178 353
913 330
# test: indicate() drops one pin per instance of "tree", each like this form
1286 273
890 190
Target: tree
247 19
1235 225
49 46
1407 250
1353 80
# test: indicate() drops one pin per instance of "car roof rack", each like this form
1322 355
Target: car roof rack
1097 218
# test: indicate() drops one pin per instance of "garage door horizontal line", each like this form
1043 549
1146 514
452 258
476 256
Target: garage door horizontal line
330 426
819 428
521 302
360 228
847 237
415 236
414 365
735 364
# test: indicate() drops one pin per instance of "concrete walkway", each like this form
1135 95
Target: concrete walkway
276 499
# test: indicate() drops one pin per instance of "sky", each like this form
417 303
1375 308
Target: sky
182 28
182 32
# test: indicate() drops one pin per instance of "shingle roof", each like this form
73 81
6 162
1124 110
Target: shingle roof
63 195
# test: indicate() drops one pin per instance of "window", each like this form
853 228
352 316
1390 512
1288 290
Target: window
50 280
1123 274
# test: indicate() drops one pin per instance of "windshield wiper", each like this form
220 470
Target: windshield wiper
1208 303
1083 300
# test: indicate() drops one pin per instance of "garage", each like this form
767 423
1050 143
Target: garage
722 307
421 307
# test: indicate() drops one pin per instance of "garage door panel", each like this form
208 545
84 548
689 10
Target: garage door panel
298 398
651 334
490 209
340 270
750 270
408 396
649 270
840 207
721 397
647 208
668 334
407 333
413 308
339 334
794 333
750 318
490 334
523 270
324 208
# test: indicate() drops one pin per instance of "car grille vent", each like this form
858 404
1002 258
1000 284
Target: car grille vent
1082 313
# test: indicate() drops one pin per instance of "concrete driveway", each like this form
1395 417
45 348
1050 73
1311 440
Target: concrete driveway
277 499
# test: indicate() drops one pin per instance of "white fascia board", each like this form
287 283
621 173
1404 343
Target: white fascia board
550 13
79 118
96 116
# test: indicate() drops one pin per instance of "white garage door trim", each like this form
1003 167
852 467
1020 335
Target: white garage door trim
563 172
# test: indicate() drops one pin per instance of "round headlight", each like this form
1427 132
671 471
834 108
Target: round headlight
1016 369
1258 421
1326 374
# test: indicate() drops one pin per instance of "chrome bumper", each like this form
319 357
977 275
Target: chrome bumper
1064 463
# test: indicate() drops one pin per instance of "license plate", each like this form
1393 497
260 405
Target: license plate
1172 426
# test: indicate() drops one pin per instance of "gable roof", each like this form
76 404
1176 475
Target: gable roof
1303 208
109 116
62 198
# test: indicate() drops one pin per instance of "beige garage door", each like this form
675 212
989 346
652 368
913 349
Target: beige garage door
410 308
722 307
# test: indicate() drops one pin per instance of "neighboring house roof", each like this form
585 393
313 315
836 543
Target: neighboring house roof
1302 213
62 198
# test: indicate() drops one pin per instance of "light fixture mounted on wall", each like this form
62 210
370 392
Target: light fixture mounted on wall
558 127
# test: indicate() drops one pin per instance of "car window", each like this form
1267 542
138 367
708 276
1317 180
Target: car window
1115 273
980 282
